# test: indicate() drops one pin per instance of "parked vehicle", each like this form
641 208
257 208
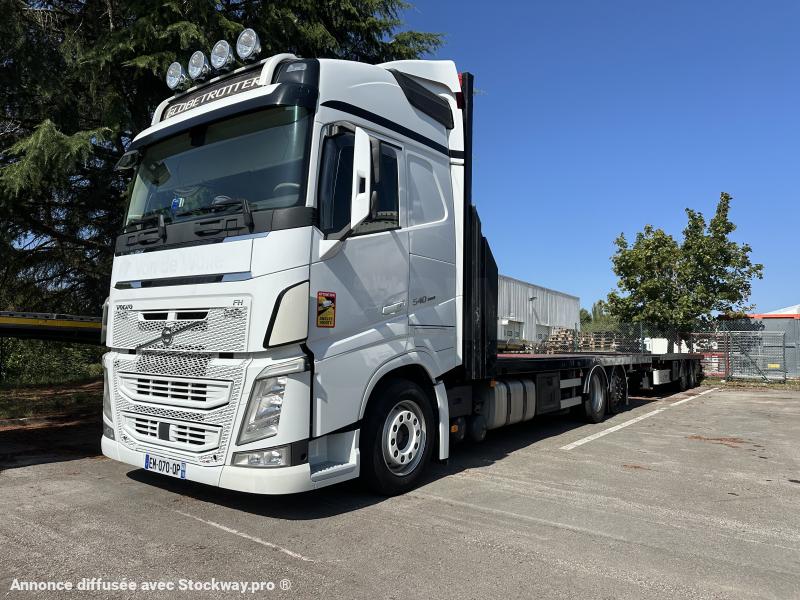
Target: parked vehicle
302 294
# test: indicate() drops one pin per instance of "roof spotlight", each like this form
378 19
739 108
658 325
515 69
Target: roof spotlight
176 76
248 45
198 65
221 55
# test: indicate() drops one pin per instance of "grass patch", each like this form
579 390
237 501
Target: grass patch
789 384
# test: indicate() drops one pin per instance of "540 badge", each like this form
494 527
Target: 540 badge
326 309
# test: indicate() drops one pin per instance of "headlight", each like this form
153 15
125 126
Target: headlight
198 65
106 397
176 76
221 55
248 45
264 409
263 413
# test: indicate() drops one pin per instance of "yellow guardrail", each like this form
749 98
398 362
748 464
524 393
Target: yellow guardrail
50 326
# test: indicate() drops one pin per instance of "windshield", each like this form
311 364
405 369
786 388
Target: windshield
254 161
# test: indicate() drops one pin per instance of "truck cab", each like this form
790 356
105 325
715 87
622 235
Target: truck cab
286 294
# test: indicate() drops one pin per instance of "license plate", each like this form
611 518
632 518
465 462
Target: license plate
165 466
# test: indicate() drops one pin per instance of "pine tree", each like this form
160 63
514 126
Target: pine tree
78 79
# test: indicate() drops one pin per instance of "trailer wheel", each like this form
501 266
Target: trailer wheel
594 403
683 378
692 374
618 393
397 438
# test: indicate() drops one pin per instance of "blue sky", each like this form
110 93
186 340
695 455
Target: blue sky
596 118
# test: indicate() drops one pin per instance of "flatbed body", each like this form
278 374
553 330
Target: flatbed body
515 364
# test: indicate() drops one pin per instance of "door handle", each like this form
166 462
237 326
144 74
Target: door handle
393 308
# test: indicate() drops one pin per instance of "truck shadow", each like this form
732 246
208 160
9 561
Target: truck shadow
351 496
71 438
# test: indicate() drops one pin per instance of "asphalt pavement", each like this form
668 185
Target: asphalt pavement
683 496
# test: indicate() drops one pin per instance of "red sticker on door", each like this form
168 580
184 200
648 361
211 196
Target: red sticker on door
326 309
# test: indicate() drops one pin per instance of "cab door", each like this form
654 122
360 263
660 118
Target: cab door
359 293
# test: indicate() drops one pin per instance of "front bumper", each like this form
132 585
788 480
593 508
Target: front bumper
285 480
144 425
153 424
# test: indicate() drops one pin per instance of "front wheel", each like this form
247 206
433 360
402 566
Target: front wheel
397 438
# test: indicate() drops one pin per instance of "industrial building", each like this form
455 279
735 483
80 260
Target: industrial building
528 312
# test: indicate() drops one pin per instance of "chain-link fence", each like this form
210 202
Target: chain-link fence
733 352
733 349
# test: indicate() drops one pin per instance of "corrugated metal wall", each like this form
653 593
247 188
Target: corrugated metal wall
538 317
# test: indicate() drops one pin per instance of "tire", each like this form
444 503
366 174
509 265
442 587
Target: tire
693 379
634 383
618 393
594 402
683 378
397 438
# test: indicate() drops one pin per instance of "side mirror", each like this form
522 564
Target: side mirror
361 194
362 180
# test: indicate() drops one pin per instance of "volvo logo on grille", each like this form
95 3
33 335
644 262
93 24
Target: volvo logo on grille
168 334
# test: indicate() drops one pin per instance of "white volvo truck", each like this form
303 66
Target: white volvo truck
301 294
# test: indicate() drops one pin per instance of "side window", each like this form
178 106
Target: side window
386 212
336 182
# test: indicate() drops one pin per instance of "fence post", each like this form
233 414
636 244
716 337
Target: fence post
728 350
575 339
641 338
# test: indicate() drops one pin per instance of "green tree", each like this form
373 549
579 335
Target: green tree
672 285
78 79
585 317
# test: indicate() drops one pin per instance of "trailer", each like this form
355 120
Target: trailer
302 293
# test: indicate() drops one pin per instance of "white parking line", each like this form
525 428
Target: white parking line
249 537
600 434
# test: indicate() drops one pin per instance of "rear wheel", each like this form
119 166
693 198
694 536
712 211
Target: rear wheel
618 393
594 403
397 438
692 367
683 378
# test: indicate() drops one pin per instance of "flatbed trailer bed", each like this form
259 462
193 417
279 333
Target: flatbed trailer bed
648 369
514 364
594 383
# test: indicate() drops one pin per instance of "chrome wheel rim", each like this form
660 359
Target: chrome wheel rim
404 438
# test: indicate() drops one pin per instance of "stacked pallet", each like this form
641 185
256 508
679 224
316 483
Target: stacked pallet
568 340
560 340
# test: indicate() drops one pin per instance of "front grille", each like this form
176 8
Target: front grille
222 329
177 391
175 367
193 437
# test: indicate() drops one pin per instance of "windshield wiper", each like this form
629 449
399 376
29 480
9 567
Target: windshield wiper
220 204
145 218
148 218
223 202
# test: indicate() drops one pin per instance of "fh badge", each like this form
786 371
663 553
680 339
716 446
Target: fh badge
326 309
